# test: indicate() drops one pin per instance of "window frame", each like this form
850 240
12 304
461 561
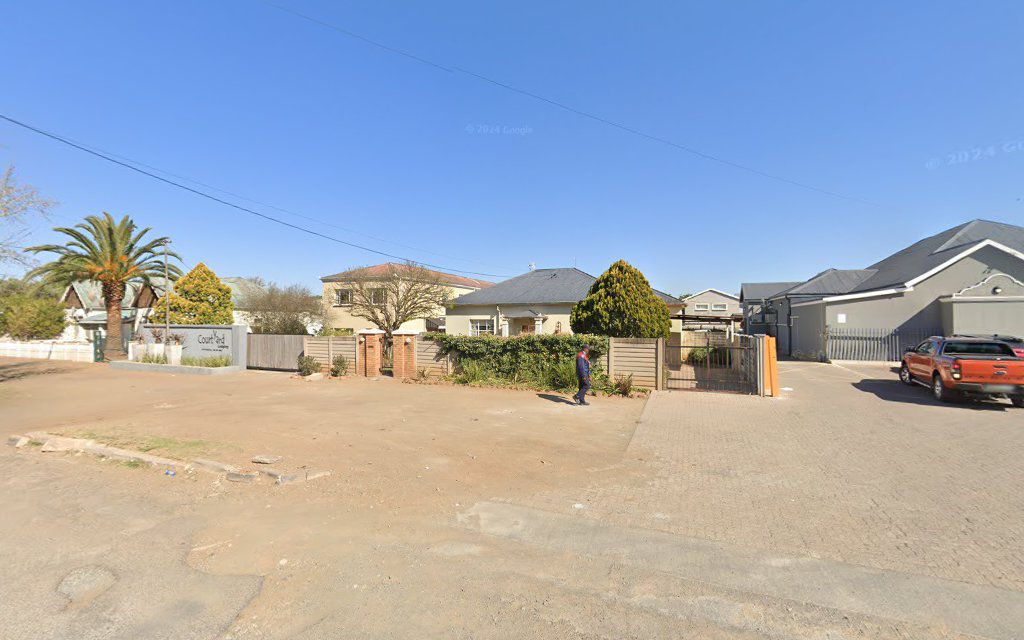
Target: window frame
338 302
719 306
377 295
697 306
474 330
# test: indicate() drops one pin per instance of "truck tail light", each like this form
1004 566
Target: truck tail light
955 370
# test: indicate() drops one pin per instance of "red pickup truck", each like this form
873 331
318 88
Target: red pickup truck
962 367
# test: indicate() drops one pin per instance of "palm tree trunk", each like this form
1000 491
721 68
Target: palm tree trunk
113 294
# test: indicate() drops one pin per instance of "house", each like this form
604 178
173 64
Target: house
830 282
710 308
539 301
965 280
86 312
337 295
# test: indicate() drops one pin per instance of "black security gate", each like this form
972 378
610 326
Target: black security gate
712 361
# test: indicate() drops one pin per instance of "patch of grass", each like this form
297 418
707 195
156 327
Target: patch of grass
131 464
35 443
211 361
159 445
150 358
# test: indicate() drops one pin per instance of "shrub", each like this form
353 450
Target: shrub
624 385
700 355
210 361
538 361
326 332
153 358
339 366
621 303
308 365
24 317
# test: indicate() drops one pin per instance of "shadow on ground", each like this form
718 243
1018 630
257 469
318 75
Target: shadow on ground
553 398
20 370
896 391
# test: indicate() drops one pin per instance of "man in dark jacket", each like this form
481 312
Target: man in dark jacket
583 374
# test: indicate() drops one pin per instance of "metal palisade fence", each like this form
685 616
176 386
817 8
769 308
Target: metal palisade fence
883 345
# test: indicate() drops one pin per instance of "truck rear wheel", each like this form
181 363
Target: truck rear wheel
1018 401
939 390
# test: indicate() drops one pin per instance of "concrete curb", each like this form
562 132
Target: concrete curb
52 443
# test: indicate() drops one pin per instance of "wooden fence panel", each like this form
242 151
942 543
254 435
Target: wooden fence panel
267 351
326 349
639 357
429 358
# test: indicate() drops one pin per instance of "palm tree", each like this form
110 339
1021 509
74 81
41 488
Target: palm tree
112 254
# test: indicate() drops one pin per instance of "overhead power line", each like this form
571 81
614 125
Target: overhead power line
214 198
565 107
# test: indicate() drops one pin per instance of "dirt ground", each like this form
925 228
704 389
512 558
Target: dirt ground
479 513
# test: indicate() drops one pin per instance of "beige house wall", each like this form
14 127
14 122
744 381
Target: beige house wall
340 317
556 320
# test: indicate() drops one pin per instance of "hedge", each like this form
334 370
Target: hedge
541 360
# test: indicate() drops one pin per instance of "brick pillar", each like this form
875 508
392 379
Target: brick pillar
403 349
371 343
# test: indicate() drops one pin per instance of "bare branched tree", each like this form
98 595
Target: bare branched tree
18 203
272 308
397 293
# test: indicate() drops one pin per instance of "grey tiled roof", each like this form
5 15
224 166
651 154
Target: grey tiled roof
542 286
831 282
924 255
763 290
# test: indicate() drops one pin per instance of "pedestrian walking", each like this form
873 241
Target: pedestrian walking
583 374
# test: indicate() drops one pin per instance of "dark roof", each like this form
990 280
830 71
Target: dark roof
542 286
381 270
830 282
924 255
763 290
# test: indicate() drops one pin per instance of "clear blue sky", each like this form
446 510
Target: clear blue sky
869 100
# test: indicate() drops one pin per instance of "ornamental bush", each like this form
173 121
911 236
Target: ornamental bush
199 297
540 361
24 317
622 304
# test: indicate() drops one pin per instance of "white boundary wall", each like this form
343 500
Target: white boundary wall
47 351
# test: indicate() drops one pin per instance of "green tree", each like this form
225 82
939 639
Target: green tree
24 317
622 304
199 297
112 253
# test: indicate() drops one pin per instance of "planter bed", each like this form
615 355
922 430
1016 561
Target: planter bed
174 368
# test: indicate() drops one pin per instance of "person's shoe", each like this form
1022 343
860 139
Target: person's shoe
584 403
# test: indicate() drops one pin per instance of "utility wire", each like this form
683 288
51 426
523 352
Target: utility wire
568 108
276 208
214 198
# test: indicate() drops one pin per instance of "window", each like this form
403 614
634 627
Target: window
719 306
378 296
926 348
481 327
700 306
342 296
978 349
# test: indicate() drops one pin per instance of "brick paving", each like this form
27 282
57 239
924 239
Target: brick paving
849 465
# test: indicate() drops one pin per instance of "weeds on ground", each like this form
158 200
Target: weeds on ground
152 358
163 445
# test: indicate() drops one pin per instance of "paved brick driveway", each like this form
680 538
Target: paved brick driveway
849 465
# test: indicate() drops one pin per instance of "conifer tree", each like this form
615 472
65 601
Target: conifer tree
622 304
199 297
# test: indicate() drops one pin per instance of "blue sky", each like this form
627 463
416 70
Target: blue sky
914 107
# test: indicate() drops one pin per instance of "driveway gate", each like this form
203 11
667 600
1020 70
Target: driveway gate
712 361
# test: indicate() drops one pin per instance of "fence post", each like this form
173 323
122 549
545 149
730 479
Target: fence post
611 358
659 365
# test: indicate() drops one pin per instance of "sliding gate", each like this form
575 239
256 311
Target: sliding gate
712 361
